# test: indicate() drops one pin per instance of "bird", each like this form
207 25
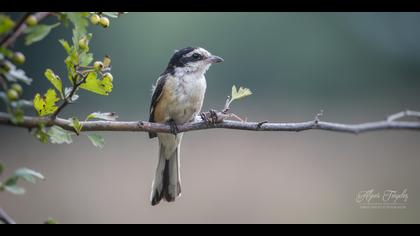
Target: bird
177 99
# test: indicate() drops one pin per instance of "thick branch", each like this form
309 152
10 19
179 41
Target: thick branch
143 126
20 28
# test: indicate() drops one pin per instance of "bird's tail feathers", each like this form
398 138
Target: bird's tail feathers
167 182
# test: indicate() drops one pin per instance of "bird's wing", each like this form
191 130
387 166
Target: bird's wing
157 93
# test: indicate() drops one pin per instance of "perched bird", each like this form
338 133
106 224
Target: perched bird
177 99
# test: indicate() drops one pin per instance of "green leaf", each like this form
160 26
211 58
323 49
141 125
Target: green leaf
111 116
95 85
97 140
66 46
75 123
14 189
80 23
59 135
71 61
1 168
38 32
11 181
46 105
41 134
55 80
6 24
51 221
28 175
17 116
85 58
241 93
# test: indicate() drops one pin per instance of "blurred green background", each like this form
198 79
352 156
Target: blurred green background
357 67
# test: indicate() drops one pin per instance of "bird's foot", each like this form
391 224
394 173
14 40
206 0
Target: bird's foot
210 117
174 127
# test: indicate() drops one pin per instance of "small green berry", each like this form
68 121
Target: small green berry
98 65
18 58
12 95
104 22
84 43
108 76
17 88
31 21
94 19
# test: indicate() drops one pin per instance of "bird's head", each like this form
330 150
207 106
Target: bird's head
191 60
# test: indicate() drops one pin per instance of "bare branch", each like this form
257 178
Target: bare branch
143 126
20 28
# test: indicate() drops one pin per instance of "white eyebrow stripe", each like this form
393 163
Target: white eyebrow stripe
200 51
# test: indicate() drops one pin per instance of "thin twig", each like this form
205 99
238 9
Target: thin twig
68 99
403 114
20 28
5 218
143 126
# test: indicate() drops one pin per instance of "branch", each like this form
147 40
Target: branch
143 126
5 218
20 28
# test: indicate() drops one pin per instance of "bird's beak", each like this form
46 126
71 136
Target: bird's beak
215 59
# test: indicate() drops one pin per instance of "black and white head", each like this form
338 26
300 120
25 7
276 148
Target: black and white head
191 60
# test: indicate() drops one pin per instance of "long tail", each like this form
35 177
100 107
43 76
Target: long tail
167 182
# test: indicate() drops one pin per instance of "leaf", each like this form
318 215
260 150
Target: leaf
59 135
85 58
67 92
21 103
241 93
17 116
75 123
11 181
111 116
6 24
1 168
14 189
97 140
80 23
55 80
41 134
46 105
95 85
71 61
29 175
38 32
50 221
16 75
111 14
66 46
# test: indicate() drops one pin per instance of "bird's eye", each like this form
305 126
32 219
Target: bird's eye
196 56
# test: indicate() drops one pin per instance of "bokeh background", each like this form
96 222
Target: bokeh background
357 67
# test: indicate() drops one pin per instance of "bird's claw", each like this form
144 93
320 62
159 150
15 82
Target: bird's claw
210 117
174 127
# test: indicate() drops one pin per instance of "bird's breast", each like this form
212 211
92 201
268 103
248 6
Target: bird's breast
187 97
